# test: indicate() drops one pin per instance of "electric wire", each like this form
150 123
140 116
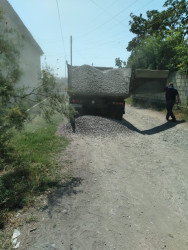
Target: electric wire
61 30
101 42
112 17
109 20
167 15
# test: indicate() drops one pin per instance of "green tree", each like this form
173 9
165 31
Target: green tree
120 63
156 52
161 38
12 115
14 101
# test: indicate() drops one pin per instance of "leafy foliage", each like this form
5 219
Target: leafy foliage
56 101
14 102
120 63
12 114
21 176
35 169
155 52
161 39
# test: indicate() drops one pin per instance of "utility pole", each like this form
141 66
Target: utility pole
66 68
71 50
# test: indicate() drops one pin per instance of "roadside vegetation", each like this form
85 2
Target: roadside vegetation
160 42
28 144
36 168
160 39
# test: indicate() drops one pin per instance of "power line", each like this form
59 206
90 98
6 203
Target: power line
105 10
115 42
99 26
60 24
113 17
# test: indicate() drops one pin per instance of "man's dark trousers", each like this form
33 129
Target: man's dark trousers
169 107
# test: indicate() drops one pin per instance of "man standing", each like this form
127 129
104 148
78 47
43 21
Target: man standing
172 96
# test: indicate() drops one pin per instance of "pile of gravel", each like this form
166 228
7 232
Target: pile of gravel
88 80
94 126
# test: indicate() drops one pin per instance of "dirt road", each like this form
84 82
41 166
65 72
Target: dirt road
129 190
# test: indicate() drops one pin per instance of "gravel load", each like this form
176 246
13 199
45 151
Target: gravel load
94 126
88 80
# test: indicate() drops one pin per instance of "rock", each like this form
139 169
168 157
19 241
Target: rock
95 126
18 215
88 80
65 211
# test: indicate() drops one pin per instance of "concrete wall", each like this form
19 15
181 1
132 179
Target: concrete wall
180 83
30 67
30 52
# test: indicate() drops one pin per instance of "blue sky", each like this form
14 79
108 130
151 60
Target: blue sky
99 29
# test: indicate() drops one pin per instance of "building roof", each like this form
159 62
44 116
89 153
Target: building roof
10 12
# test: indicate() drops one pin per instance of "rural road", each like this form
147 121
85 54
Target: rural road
129 191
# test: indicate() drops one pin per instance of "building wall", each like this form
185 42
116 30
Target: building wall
30 67
180 83
30 52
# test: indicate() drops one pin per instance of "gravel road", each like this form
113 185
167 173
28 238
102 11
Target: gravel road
129 189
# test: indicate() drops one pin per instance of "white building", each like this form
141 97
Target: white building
30 51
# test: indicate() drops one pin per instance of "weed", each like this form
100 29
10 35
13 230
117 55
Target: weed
5 243
31 219
35 168
181 112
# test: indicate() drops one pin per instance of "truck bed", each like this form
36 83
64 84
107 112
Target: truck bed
87 80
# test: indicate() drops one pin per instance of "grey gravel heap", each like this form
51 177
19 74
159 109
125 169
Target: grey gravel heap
94 126
87 80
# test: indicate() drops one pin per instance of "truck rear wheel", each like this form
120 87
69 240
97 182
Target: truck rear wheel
119 117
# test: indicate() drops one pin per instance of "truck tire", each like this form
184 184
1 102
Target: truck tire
119 117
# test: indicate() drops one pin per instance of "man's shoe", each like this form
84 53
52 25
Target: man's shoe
173 120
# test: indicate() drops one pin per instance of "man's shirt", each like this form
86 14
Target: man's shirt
171 93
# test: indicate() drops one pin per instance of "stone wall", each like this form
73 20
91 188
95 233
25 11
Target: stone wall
181 84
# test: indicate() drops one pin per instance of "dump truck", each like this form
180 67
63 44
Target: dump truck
98 90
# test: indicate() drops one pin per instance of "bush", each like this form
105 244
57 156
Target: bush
34 170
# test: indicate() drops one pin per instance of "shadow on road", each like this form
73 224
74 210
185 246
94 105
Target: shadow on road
67 189
155 130
152 131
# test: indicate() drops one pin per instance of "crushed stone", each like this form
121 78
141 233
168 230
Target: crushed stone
88 80
94 126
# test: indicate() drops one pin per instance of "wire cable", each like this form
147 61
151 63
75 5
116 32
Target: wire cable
60 24
114 17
